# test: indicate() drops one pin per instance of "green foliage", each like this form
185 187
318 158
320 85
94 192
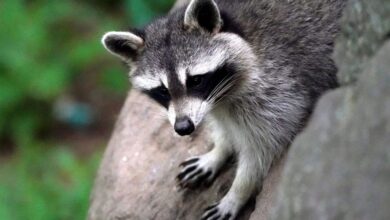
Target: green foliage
47 184
114 80
43 46
141 12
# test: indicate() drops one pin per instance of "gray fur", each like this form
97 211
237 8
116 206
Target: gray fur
281 53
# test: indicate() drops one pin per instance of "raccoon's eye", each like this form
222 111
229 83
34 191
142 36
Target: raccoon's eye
164 92
194 81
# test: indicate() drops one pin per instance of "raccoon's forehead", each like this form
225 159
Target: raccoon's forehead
205 62
173 53
184 56
167 44
162 70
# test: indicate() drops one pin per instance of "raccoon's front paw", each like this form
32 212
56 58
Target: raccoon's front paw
224 210
198 170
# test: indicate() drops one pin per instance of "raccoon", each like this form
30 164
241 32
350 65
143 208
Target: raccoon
253 69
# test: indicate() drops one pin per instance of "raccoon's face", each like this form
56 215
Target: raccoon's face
185 62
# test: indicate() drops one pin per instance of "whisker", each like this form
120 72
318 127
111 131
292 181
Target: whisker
219 85
222 88
217 98
217 90
220 99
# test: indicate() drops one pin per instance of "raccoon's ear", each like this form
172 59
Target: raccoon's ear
203 14
125 45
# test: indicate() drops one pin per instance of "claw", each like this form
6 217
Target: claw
205 177
209 213
215 212
188 162
185 172
194 174
197 171
210 207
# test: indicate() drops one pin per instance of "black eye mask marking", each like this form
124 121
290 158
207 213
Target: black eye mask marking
194 81
201 86
160 95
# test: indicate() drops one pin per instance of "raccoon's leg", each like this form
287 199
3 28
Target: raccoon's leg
248 177
203 169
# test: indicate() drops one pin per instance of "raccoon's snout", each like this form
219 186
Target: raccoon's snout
184 126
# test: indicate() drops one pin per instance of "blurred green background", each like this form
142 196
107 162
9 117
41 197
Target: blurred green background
60 94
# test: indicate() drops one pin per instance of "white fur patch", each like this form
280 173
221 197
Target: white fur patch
132 40
146 82
182 75
164 80
208 63
150 81
171 114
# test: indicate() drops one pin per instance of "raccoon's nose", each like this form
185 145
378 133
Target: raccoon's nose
184 126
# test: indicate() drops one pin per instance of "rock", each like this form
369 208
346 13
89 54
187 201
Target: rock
339 167
365 27
136 179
